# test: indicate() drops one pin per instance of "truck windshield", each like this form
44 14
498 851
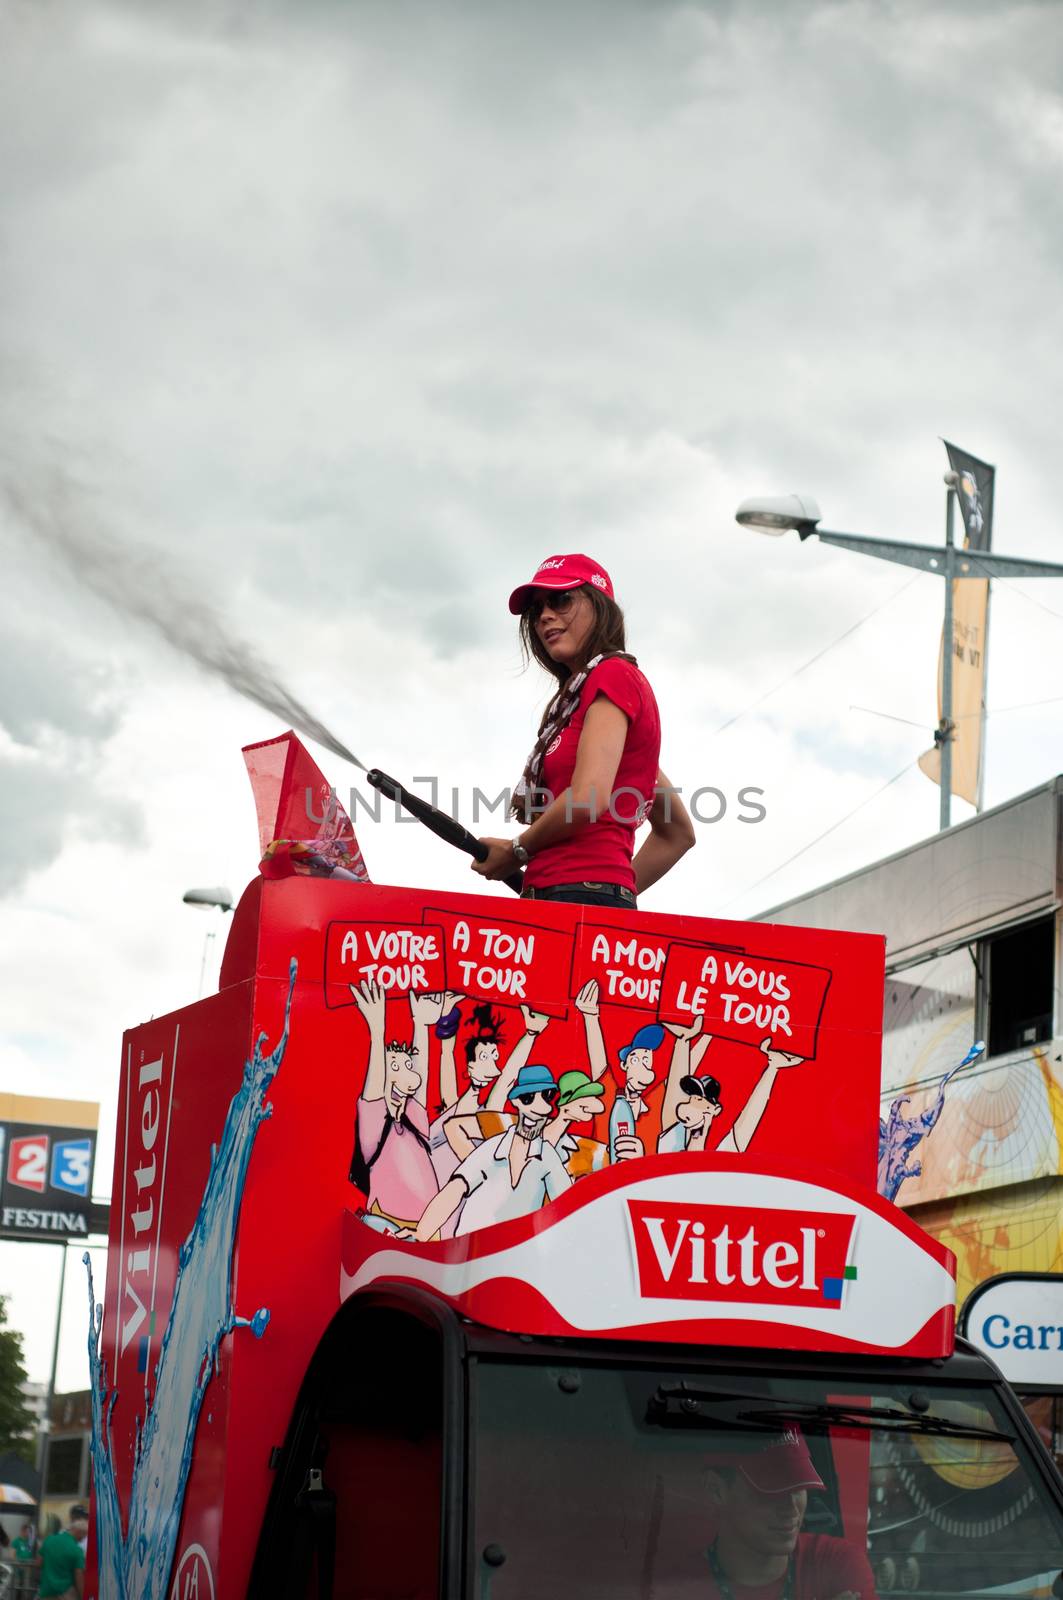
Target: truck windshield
610 1483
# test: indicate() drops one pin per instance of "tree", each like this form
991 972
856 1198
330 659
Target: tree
16 1421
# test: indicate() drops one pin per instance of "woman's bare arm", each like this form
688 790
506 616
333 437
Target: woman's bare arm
601 744
671 836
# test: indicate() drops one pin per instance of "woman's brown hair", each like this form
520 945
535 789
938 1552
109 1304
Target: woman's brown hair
606 637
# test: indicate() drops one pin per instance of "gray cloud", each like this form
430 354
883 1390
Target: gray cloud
57 802
362 310
45 688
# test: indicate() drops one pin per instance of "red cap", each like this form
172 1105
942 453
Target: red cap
562 572
779 1466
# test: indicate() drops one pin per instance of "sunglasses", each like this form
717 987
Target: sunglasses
559 600
526 1099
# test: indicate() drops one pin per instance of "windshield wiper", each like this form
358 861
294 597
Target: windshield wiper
681 1405
888 1417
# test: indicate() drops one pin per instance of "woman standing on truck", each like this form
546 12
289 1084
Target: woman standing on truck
593 775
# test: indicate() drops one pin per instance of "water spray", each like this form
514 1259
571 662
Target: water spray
138 586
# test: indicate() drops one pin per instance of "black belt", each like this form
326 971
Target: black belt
597 888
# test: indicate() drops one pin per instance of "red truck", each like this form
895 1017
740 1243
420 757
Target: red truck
667 1278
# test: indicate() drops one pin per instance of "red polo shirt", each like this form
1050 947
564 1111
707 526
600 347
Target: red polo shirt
602 851
824 1566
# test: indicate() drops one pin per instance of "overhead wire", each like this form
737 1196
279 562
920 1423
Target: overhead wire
796 673
988 711
1031 598
963 716
820 836
996 711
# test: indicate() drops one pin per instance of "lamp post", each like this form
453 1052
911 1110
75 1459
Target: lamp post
779 514
221 900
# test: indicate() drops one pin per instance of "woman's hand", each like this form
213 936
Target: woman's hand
500 862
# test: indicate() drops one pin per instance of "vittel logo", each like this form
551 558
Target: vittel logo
744 1254
147 1119
549 566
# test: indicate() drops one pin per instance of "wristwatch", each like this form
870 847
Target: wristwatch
520 855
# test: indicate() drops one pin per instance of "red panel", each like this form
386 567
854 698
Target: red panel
399 958
826 1108
179 1074
745 997
241 948
507 960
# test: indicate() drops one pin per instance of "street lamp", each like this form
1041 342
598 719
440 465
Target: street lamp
776 515
217 899
222 898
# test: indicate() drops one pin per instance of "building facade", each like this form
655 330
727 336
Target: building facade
972 925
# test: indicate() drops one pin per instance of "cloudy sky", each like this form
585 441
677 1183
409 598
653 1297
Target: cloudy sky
340 317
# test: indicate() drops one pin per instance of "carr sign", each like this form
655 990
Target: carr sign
1017 1319
47 1153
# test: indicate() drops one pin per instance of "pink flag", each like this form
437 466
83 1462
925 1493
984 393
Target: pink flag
301 825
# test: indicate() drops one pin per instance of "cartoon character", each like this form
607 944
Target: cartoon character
692 1103
481 1064
899 1135
636 1061
392 1161
459 1126
695 1108
509 1175
579 1102
588 1007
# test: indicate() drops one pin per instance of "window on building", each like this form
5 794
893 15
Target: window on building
64 1465
1019 975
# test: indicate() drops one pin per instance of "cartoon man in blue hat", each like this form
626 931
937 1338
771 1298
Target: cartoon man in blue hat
636 1062
509 1175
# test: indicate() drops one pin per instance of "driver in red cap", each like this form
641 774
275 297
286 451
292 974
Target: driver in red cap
759 1484
593 775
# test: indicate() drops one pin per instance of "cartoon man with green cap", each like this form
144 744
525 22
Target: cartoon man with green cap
579 1101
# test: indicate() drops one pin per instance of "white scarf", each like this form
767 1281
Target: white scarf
559 714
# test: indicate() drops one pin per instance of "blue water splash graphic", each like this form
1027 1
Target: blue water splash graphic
135 1565
899 1135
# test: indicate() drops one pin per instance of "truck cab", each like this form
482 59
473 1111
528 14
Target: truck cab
513 1466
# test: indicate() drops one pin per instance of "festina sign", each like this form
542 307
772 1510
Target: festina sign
46 1167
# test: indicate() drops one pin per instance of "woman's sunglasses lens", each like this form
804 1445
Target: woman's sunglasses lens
560 601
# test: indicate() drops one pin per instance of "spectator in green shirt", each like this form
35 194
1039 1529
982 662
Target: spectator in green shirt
63 1560
22 1545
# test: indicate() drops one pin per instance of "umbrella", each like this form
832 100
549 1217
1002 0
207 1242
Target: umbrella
12 1495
